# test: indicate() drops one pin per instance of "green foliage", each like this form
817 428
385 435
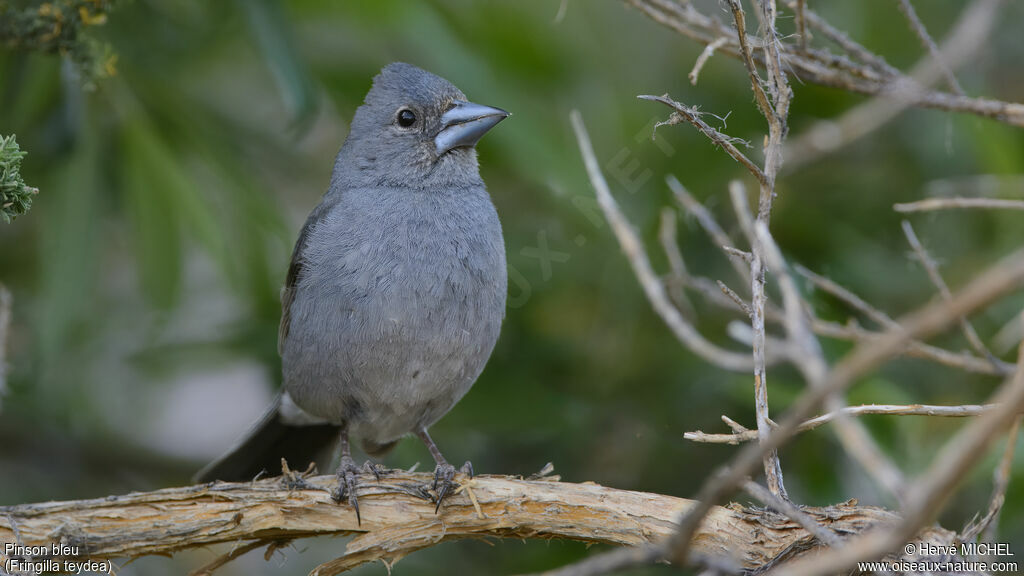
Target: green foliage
58 27
15 196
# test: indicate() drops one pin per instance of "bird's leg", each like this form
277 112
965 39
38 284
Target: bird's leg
444 473
348 475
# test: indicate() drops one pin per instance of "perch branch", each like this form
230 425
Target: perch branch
398 520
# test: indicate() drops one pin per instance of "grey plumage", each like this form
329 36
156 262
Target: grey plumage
396 291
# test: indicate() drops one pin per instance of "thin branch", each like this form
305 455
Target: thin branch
748 60
931 490
926 40
933 274
960 360
851 46
959 203
801 23
705 55
772 466
1001 481
678 274
706 221
992 366
810 360
692 115
732 295
856 302
637 256
745 435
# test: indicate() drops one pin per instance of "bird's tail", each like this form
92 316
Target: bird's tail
266 443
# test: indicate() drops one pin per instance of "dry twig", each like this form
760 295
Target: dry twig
959 203
746 435
926 40
933 274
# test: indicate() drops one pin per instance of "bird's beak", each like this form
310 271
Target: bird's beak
464 124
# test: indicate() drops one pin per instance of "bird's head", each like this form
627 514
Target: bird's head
415 129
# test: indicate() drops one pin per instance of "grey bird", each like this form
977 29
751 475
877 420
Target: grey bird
396 291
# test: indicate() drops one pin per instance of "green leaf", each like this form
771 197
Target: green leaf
15 196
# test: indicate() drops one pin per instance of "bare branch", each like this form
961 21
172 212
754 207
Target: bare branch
772 466
810 360
738 437
692 115
836 35
926 40
801 23
735 298
637 256
678 275
931 489
748 60
1001 481
960 360
705 55
959 203
706 221
933 274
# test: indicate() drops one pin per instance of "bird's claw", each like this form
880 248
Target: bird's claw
376 469
348 479
444 481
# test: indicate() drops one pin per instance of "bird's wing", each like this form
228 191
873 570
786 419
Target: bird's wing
295 270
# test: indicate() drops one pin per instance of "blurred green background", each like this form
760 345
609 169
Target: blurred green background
146 277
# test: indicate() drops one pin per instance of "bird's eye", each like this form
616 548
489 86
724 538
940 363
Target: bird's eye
406 118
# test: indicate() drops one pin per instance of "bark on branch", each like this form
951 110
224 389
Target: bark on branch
398 518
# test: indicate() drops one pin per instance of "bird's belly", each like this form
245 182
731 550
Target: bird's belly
399 355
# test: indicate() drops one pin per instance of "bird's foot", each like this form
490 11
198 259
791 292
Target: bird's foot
378 470
444 481
348 479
